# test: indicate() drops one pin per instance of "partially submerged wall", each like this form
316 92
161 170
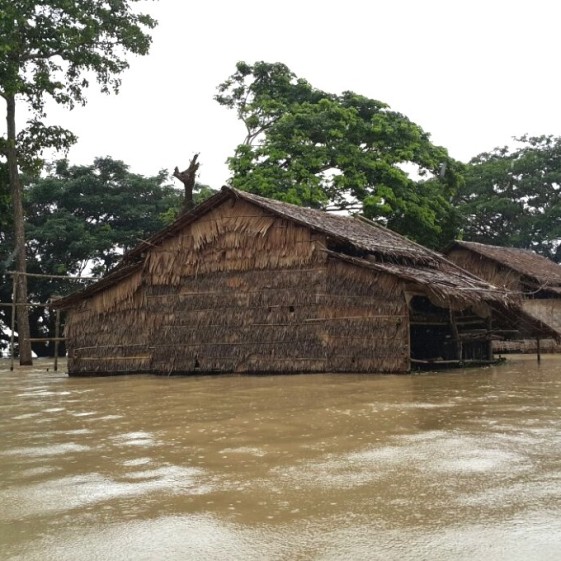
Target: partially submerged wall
246 321
366 320
106 333
526 346
547 310
233 293
242 291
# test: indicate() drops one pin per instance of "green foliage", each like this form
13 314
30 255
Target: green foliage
89 215
53 49
344 152
47 46
81 219
201 193
512 196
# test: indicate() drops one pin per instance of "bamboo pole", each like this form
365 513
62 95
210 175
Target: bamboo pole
57 338
41 276
28 305
15 305
455 333
98 358
13 323
44 339
490 331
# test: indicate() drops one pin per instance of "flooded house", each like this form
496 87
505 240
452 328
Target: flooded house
244 284
530 277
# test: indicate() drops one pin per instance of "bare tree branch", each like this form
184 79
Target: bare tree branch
187 177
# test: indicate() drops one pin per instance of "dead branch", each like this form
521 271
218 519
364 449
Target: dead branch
187 177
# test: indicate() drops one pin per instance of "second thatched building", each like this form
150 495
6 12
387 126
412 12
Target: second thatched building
532 279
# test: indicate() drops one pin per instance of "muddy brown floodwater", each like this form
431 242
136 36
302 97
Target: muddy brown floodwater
459 465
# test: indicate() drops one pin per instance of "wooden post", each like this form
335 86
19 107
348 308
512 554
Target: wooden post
456 334
15 306
13 325
538 350
57 331
489 329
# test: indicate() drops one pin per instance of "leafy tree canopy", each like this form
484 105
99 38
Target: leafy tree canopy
89 215
512 196
81 219
53 49
340 152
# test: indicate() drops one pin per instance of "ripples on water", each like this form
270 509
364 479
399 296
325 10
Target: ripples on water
449 466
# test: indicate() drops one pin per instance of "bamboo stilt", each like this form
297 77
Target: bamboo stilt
456 334
13 324
57 333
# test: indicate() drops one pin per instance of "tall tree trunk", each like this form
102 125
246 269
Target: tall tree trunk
19 233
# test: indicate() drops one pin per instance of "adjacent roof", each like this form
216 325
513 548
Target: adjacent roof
373 246
524 261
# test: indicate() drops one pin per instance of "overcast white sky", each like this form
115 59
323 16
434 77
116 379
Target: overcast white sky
472 73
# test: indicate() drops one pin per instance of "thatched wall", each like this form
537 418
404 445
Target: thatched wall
103 333
335 318
232 237
242 291
366 320
493 272
528 275
247 321
230 292
255 294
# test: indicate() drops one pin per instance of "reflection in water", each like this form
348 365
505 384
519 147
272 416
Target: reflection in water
447 466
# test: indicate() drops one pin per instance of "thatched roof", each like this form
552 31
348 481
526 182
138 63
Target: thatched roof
543 271
351 238
362 235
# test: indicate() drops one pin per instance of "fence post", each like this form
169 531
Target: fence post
57 331
13 325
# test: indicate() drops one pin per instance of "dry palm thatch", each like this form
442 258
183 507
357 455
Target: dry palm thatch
245 284
507 266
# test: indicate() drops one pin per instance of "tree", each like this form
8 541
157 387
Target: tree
50 50
80 219
512 196
87 216
188 178
340 152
